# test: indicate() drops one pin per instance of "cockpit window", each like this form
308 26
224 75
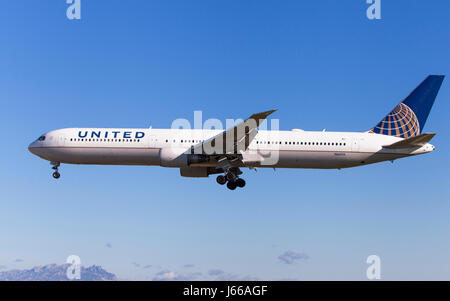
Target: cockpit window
42 138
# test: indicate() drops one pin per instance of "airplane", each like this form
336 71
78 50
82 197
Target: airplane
204 152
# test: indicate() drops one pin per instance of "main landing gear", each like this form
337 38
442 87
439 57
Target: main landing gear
55 174
231 180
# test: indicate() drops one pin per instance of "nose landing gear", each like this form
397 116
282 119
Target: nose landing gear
55 174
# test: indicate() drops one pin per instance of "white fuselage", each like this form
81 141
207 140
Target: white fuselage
163 147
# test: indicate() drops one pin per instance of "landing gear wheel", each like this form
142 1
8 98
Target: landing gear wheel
230 177
231 185
221 179
55 166
240 183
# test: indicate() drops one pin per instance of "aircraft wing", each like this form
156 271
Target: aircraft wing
234 140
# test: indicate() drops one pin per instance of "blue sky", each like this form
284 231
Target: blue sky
322 64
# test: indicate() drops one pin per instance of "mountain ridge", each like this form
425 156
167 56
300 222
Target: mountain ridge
55 272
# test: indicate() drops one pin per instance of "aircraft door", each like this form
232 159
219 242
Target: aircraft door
61 140
153 141
355 145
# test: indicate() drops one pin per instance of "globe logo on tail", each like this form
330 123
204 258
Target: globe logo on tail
400 122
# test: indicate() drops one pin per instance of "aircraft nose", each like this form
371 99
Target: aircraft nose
32 148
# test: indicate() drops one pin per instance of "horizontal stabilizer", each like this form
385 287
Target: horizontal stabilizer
416 141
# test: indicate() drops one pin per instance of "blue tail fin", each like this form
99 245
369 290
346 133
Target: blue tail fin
408 118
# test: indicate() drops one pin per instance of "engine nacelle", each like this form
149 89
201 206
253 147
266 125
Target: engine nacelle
194 172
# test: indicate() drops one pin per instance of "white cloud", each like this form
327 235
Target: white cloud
220 275
289 257
167 275
136 265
